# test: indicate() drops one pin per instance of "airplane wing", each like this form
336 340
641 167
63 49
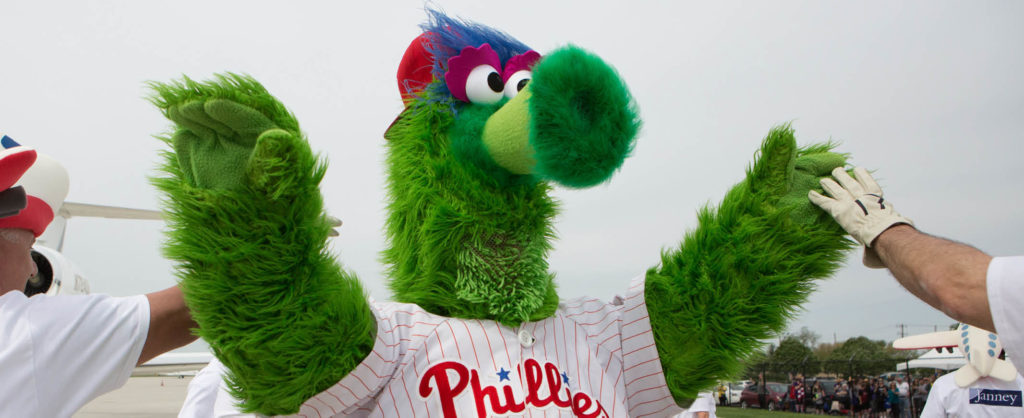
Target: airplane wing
72 209
932 340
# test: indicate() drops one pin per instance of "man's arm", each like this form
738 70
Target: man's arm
170 323
947 275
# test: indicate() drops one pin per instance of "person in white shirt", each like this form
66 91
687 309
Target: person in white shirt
961 281
58 353
208 395
987 397
903 389
702 407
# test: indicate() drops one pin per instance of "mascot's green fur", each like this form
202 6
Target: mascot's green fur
470 223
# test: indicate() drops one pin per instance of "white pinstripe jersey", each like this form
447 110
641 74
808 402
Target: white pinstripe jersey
591 359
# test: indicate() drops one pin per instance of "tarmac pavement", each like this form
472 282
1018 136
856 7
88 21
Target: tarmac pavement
141 397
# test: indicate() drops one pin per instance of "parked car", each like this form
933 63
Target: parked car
734 392
773 393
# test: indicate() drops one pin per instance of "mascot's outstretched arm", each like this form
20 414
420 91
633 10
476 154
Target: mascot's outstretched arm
746 268
247 226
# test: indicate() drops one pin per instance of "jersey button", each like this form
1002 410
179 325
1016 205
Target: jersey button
526 339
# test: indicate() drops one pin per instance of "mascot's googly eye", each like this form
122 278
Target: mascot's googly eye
518 72
474 76
483 85
516 82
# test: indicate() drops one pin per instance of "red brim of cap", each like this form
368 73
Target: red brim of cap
36 216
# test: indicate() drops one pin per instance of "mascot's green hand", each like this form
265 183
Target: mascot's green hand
246 224
231 134
784 174
214 141
812 164
746 268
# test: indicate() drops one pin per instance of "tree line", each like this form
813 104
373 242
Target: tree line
798 354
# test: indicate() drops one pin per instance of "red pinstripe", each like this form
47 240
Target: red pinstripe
554 334
505 343
489 348
371 371
393 403
333 411
406 387
455 338
643 390
635 351
545 340
585 312
413 325
343 404
635 335
615 392
635 307
470 334
440 344
641 377
533 348
655 412
640 363
575 333
349 390
602 320
579 302
356 375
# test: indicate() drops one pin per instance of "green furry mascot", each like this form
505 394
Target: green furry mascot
477 327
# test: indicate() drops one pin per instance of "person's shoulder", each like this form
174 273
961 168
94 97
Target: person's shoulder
13 298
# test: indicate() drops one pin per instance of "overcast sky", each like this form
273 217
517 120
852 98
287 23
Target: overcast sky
928 93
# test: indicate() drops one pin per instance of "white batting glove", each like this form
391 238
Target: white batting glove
858 206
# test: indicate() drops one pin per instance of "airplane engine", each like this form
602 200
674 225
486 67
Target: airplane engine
57 275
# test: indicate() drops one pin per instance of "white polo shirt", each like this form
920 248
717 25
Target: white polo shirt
58 353
1005 285
988 397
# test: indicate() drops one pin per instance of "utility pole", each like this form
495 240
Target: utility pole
903 330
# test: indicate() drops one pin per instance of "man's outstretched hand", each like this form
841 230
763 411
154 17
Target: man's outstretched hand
858 206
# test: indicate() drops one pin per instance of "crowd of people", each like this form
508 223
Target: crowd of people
863 397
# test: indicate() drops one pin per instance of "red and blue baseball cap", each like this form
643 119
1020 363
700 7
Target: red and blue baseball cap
44 180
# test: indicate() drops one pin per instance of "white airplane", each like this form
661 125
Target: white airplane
58 275
982 347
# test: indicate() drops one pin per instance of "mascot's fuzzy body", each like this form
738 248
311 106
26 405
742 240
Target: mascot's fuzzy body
480 329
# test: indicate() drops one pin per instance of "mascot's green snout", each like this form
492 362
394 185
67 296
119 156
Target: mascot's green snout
573 123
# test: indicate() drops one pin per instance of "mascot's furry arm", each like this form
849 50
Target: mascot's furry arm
247 226
746 268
